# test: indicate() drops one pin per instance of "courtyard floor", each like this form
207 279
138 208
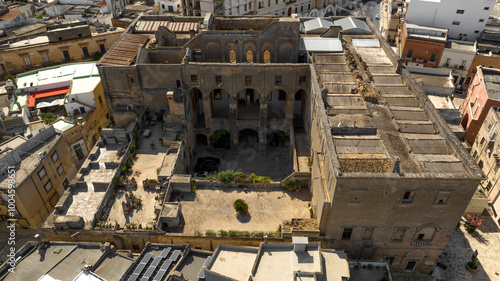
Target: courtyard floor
212 209
144 166
276 164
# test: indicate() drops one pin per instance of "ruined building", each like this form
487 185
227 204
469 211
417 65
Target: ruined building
388 178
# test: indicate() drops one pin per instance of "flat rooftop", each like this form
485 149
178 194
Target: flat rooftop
64 261
279 262
93 179
380 126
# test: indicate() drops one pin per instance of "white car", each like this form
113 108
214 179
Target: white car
377 16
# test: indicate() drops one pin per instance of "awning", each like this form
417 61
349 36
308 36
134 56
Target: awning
48 104
45 94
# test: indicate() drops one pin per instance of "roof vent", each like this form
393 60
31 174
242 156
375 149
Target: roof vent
299 244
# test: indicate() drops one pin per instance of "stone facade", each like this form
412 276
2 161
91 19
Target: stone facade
388 177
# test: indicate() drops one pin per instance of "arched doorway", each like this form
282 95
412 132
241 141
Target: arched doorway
299 108
277 105
219 99
248 104
197 107
201 139
248 138
290 11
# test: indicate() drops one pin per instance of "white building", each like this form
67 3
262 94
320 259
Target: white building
168 6
257 7
464 19
458 57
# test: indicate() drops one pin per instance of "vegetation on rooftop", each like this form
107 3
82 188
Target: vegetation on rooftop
230 176
292 185
48 117
221 139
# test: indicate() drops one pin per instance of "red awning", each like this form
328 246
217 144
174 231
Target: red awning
45 94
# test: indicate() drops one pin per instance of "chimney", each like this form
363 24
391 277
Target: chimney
395 165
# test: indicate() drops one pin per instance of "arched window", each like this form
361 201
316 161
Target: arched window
249 56
232 56
267 56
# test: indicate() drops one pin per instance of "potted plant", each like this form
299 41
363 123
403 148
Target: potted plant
473 264
472 223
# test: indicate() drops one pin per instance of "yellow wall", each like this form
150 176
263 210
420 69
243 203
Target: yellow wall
33 202
92 128
13 61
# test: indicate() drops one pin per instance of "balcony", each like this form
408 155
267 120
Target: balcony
422 242
431 62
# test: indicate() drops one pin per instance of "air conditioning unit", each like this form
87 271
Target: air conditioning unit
41 155
491 139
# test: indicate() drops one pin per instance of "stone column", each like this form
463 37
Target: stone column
207 109
233 127
289 109
263 126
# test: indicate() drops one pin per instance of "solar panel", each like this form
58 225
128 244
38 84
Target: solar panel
134 277
155 262
165 252
146 258
175 255
159 275
148 273
166 265
139 268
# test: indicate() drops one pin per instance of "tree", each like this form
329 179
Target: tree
240 206
48 117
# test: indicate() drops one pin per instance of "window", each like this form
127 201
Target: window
85 52
268 3
267 56
27 61
217 94
277 80
194 78
60 169
442 198
218 79
55 156
102 48
249 56
301 8
410 53
347 233
163 6
248 80
302 80
410 266
45 58
476 31
433 57
456 22
100 100
66 55
407 197
460 11
462 63
399 234
474 155
481 20
486 8
276 2
368 233
390 259
42 173
48 186
488 186
232 56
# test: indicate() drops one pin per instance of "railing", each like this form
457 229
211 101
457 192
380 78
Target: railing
422 242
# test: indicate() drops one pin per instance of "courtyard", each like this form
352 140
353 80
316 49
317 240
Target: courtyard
275 164
212 209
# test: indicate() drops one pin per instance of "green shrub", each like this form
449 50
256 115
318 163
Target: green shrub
48 117
284 138
209 232
222 233
221 139
230 176
240 206
232 233
292 185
